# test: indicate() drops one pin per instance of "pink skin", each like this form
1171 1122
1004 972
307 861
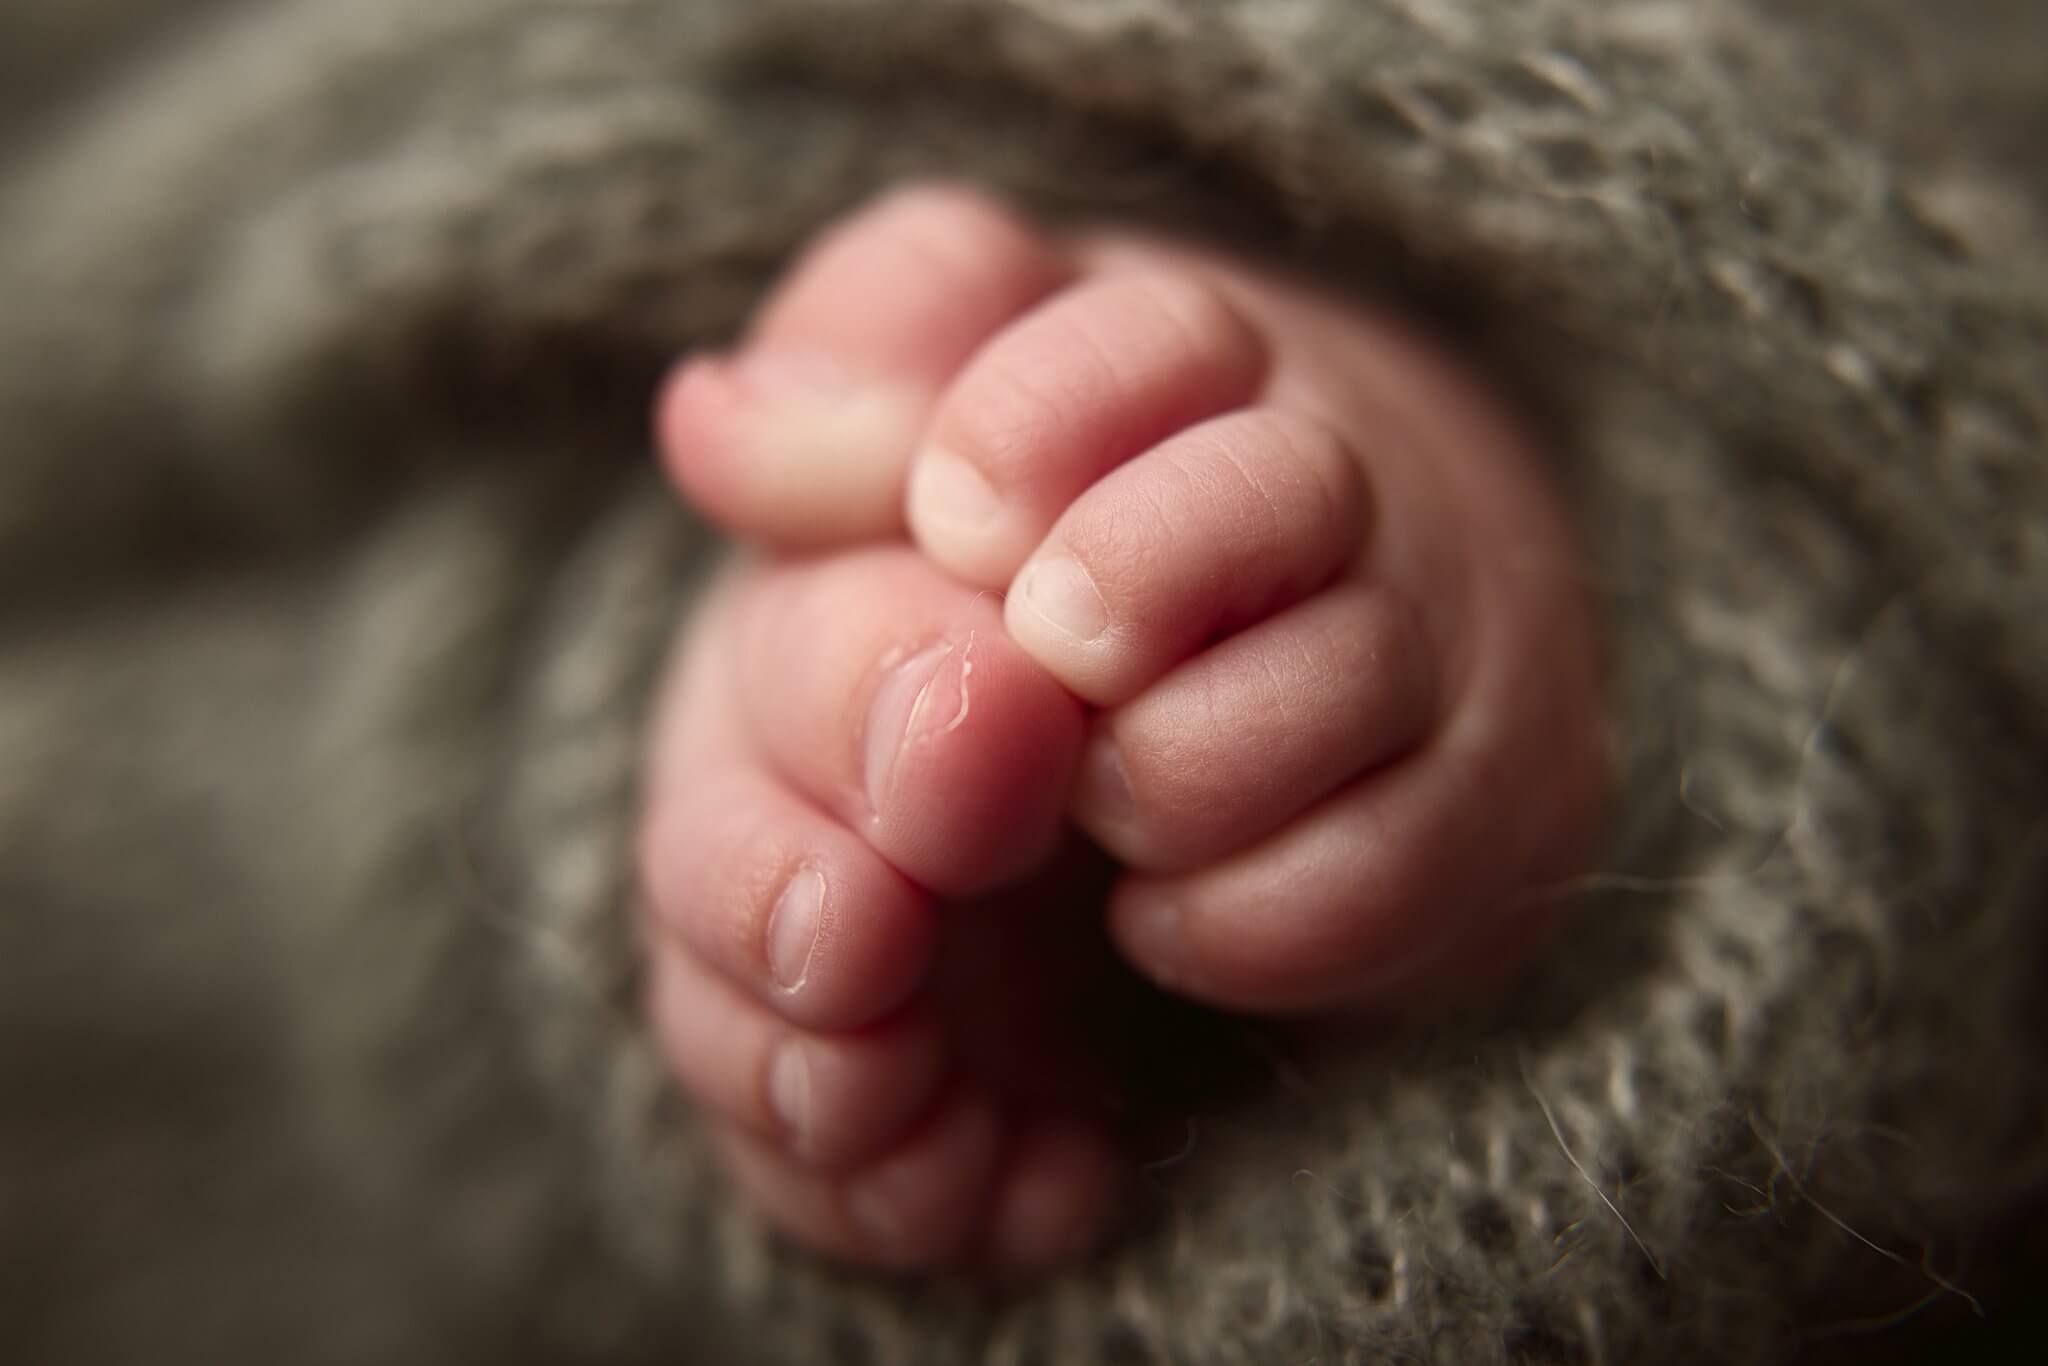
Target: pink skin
1290 624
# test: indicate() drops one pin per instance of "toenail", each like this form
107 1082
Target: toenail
876 1214
1108 782
704 379
817 447
789 1093
900 708
772 374
1155 941
793 928
1060 591
948 491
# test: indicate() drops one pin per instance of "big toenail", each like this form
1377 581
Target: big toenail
903 703
1060 590
948 492
789 1092
793 928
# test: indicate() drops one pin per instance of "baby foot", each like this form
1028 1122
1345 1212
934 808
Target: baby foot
1307 574
843 739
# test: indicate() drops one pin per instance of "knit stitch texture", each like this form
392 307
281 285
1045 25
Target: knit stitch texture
333 582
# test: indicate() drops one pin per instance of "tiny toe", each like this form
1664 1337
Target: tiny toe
826 1100
893 698
1093 377
1215 528
803 434
916 1206
787 446
1056 1195
1234 743
1385 893
785 901
793 907
1323 915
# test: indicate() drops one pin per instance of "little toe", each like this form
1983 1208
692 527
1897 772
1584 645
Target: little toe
893 698
1385 894
802 436
1216 527
1239 740
826 1100
1093 377
918 1205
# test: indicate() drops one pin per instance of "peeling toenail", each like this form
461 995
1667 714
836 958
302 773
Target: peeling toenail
950 492
793 928
1061 591
902 704
789 1093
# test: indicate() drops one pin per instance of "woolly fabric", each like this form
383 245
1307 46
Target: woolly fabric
334 584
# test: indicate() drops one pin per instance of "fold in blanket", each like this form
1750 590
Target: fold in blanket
332 583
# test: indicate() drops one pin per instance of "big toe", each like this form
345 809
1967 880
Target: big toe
802 436
891 697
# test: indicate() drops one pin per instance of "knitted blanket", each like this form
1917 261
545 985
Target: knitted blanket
333 579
